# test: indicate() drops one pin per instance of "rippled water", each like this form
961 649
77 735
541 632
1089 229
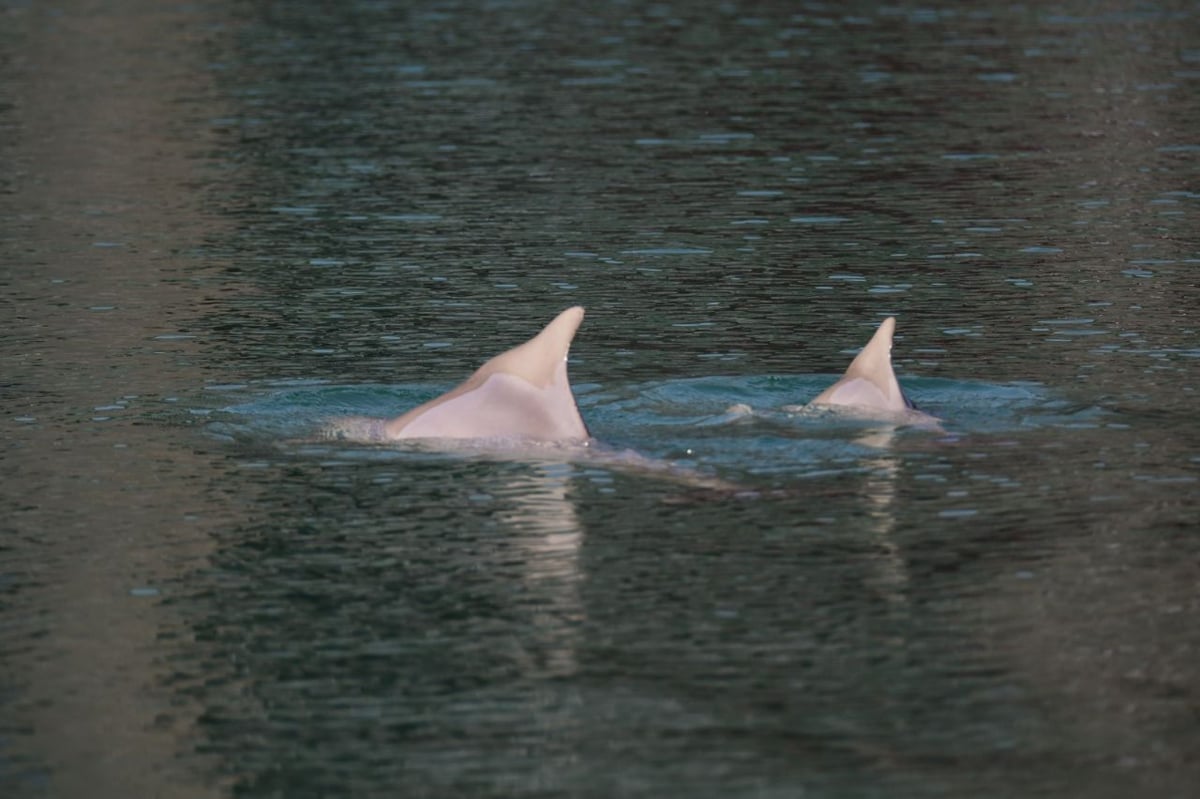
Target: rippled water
223 222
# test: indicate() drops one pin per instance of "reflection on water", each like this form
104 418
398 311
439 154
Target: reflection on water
453 613
96 513
226 221
548 536
879 494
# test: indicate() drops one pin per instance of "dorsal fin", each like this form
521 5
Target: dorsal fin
535 361
521 393
869 381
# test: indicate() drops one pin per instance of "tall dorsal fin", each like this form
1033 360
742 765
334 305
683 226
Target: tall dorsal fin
535 361
869 381
521 393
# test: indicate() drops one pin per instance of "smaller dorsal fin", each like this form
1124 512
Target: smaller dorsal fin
869 381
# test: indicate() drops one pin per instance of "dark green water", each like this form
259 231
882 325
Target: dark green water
221 222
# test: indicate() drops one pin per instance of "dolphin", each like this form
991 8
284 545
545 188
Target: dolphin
869 386
520 394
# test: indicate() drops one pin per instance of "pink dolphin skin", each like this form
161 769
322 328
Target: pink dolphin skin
869 382
522 393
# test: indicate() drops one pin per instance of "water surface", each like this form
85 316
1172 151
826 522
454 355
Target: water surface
222 222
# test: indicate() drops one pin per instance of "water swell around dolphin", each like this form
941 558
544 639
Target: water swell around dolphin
688 429
524 393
